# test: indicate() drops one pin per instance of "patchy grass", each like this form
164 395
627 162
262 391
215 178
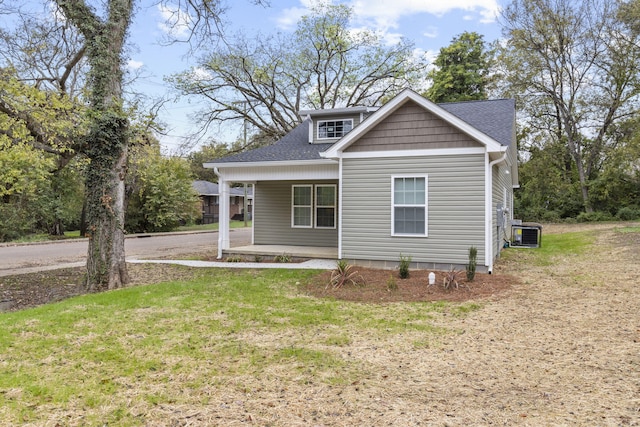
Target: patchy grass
627 229
113 356
552 247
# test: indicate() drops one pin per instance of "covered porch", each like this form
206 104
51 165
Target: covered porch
274 229
275 250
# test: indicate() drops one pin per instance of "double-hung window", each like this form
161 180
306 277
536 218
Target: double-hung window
325 206
409 205
334 128
311 208
302 206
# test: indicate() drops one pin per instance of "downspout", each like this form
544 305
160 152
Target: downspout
340 208
488 232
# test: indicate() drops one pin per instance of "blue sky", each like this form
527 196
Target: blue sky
430 24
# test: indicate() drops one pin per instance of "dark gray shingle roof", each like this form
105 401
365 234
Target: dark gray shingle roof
293 146
495 118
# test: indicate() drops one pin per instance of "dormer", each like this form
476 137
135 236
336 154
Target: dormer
329 125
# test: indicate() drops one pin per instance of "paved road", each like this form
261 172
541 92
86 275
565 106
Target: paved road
37 257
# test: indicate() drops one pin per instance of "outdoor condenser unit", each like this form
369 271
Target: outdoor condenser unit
526 234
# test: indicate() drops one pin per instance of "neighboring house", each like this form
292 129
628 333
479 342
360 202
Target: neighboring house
209 200
411 177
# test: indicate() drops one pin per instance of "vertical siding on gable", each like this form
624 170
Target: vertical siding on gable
455 209
272 224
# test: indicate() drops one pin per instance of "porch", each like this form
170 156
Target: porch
293 251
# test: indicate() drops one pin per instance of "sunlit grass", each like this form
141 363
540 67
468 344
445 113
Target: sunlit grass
101 354
553 246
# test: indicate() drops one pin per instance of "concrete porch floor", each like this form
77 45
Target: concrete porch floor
294 251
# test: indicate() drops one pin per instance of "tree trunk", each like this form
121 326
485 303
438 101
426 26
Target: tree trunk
106 265
107 141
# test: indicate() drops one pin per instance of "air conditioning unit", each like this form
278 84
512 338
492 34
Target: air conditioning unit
526 235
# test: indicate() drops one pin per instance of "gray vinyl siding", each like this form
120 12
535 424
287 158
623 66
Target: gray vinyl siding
455 197
501 182
354 117
412 127
272 223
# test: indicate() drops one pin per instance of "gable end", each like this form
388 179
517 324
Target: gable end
412 127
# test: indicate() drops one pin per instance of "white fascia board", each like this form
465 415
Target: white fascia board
413 153
336 150
336 111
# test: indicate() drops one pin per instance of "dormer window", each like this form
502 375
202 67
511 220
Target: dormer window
328 129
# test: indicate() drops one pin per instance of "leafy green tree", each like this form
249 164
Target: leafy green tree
104 140
161 196
574 67
24 171
206 153
267 80
461 70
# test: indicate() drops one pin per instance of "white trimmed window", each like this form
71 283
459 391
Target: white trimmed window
313 206
328 129
325 206
302 206
409 205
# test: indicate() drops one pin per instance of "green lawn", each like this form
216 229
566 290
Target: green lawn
552 246
99 355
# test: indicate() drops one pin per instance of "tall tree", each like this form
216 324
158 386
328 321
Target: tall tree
574 65
461 70
107 139
103 34
266 80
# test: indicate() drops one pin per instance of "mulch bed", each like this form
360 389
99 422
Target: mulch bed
374 287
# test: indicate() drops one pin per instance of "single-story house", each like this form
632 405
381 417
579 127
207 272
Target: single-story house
410 178
209 200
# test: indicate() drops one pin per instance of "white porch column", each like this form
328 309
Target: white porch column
223 228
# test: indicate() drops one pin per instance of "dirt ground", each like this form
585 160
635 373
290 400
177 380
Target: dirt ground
559 346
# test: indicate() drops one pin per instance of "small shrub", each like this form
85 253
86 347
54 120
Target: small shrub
284 258
594 216
257 258
628 213
344 274
235 258
392 285
450 280
405 262
471 267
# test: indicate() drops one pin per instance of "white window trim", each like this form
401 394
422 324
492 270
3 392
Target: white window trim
426 205
332 120
293 206
316 206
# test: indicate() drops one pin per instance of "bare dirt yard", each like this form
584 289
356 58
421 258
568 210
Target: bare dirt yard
551 345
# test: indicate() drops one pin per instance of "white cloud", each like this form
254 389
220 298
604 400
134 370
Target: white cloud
200 74
292 15
134 65
430 32
175 22
385 15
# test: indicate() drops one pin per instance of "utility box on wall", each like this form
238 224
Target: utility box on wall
527 234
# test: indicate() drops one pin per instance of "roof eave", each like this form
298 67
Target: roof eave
212 165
